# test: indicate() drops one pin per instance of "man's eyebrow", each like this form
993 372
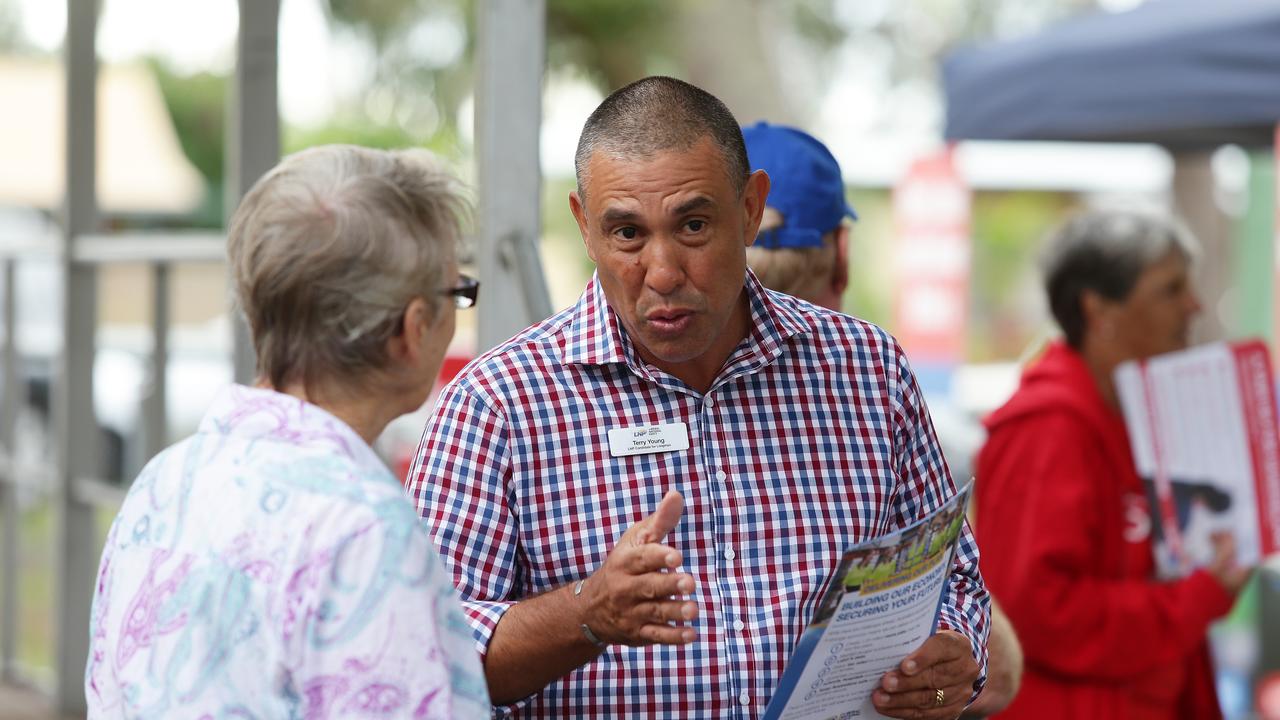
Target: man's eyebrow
697 203
617 215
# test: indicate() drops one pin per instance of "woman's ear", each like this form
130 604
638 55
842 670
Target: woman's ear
406 344
1096 312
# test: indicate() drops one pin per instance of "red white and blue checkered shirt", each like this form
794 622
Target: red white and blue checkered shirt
813 437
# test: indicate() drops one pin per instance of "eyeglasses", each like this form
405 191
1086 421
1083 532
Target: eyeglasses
464 294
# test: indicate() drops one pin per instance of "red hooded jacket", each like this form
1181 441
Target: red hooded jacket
1065 535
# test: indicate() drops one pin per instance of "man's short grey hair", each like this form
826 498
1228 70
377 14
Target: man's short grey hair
328 248
1105 251
658 114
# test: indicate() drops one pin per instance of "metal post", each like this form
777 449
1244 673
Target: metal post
1194 200
75 427
12 389
154 415
253 132
509 66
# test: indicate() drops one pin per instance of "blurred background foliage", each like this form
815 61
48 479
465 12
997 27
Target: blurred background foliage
772 59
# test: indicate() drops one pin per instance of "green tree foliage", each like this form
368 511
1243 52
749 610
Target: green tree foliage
421 62
612 43
197 105
1005 289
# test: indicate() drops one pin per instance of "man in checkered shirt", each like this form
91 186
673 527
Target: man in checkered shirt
643 498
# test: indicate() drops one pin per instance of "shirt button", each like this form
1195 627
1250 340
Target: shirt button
738 625
709 402
721 475
744 698
729 554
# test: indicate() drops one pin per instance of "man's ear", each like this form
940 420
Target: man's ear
840 273
754 196
579 210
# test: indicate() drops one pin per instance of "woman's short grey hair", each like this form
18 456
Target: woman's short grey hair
1105 251
328 248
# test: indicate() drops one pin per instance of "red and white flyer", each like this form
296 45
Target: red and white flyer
1203 429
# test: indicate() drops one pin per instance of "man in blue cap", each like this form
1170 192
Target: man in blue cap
802 250
803 244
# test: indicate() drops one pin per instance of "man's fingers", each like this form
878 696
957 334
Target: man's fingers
959 671
943 662
663 520
668 611
648 558
943 646
660 586
895 682
1224 547
923 703
662 634
955 672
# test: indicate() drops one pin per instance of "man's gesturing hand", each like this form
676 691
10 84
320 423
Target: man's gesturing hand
944 662
632 598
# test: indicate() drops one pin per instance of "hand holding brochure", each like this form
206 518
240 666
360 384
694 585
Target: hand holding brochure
883 603
1203 429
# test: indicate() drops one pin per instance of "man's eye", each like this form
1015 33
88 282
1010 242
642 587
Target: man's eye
696 225
628 233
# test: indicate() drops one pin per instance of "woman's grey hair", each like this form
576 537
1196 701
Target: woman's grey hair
1105 251
328 248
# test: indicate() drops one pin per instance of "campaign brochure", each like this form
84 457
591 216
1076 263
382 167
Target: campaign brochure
883 603
1203 430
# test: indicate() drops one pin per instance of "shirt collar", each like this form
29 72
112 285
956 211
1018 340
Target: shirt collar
596 335
254 414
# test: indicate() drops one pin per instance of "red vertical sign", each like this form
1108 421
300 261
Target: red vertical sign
931 207
1275 248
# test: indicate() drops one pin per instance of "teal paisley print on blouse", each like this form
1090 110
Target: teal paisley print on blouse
270 566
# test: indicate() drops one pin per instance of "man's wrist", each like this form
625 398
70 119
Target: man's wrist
582 625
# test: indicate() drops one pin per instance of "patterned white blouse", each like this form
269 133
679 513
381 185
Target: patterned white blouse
270 566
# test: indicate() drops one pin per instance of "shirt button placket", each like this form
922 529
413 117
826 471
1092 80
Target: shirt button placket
735 642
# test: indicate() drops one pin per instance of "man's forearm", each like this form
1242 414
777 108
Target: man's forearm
537 641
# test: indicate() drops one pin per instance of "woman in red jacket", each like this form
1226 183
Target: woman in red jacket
1062 518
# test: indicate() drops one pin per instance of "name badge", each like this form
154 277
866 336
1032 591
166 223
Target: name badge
648 439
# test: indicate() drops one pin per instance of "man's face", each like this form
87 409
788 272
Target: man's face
668 234
1156 316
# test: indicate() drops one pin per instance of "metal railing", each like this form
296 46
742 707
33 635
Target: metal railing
511 59
160 251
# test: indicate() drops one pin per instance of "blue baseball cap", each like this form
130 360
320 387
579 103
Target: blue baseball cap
806 188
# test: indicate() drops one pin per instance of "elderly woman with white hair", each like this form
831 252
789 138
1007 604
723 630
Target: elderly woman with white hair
270 565
1062 514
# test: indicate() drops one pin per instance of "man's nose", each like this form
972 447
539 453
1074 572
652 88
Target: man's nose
664 266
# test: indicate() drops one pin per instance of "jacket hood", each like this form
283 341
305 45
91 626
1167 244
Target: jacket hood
1059 380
